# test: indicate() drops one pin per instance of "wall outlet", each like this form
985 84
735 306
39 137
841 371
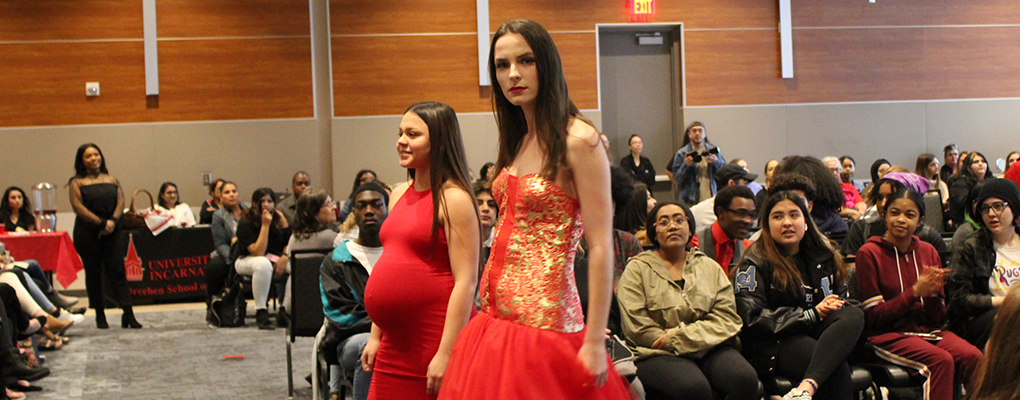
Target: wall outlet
92 89
206 179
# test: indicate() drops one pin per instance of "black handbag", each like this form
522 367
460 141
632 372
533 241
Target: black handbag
229 308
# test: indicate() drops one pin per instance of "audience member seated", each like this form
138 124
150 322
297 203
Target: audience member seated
632 219
951 155
316 212
1013 173
996 377
679 316
970 218
486 175
342 281
224 229
726 239
928 168
183 217
362 177
488 212
729 175
695 165
763 195
625 245
46 313
876 225
974 169
853 204
288 206
828 200
39 278
900 279
639 166
1011 158
985 266
847 174
16 211
209 207
790 288
754 186
15 372
261 247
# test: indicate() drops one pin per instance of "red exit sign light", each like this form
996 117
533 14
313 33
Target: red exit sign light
642 7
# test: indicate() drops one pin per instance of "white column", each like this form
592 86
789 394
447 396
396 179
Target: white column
151 53
482 16
786 38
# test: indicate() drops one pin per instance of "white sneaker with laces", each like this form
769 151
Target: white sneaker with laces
66 316
793 395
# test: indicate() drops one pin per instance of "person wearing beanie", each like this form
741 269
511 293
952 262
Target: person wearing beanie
900 279
987 264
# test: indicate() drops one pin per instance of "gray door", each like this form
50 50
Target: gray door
640 95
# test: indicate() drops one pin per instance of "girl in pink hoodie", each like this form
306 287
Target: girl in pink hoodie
900 280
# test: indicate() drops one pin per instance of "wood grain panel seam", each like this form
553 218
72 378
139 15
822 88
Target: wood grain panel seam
837 103
355 35
7 128
182 39
70 41
905 27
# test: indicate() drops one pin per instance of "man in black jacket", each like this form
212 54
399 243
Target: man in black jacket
342 281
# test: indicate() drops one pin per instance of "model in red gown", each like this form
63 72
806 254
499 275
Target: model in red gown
524 343
407 297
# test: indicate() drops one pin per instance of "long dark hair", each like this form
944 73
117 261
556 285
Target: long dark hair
79 163
785 275
553 107
306 218
966 173
162 189
632 218
254 213
874 168
687 132
828 192
357 180
447 162
996 376
23 213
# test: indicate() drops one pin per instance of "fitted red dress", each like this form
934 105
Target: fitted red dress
407 296
524 343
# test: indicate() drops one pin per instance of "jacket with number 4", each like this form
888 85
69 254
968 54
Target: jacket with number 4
770 315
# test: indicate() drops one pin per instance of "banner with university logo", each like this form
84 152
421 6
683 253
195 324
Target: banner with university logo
166 268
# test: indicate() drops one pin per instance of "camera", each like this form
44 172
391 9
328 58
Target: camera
697 156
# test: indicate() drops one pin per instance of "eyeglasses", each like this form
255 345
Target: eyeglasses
665 222
744 213
997 207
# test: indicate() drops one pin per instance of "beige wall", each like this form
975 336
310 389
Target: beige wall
898 132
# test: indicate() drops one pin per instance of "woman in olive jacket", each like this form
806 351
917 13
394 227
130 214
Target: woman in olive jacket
679 316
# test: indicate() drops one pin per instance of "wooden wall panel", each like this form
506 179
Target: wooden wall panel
235 79
44 84
401 16
203 18
972 62
70 20
904 12
382 75
584 14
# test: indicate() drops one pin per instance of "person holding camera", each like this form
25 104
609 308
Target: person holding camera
694 165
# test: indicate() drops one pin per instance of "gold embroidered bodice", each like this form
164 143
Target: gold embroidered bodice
529 277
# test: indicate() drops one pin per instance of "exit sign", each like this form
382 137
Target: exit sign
641 7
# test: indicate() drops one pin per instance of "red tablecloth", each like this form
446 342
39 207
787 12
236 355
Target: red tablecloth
53 250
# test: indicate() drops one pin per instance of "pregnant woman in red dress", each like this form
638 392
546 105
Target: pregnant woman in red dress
530 341
420 293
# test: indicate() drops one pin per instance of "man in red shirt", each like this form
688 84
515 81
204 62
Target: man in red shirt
725 240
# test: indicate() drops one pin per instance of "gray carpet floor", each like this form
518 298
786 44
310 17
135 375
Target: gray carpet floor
176 356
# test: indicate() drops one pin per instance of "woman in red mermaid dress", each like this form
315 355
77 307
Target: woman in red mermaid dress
530 340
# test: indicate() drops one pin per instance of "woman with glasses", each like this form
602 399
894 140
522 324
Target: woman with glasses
680 318
987 264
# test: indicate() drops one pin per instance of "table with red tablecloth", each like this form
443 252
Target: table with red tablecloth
53 250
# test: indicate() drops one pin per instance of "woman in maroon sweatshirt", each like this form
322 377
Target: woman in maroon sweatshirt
900 280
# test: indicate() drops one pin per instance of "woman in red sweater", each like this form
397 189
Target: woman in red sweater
900 279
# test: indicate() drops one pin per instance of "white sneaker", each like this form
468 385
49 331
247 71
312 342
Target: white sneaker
66 316
793 395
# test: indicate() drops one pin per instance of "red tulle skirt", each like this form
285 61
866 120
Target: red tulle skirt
498 359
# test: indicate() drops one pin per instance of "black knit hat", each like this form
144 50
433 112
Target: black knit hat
1003 189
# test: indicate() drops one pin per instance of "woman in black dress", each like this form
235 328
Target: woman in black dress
98 202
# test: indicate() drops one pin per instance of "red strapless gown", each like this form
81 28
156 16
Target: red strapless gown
524 343
407 297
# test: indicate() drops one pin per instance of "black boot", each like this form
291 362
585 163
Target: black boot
128 319
262 319
101 319
11 364
282 318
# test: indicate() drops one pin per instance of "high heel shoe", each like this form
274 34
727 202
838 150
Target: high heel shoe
128 320
57 326
101 319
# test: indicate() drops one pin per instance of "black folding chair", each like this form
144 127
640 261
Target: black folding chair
306 316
